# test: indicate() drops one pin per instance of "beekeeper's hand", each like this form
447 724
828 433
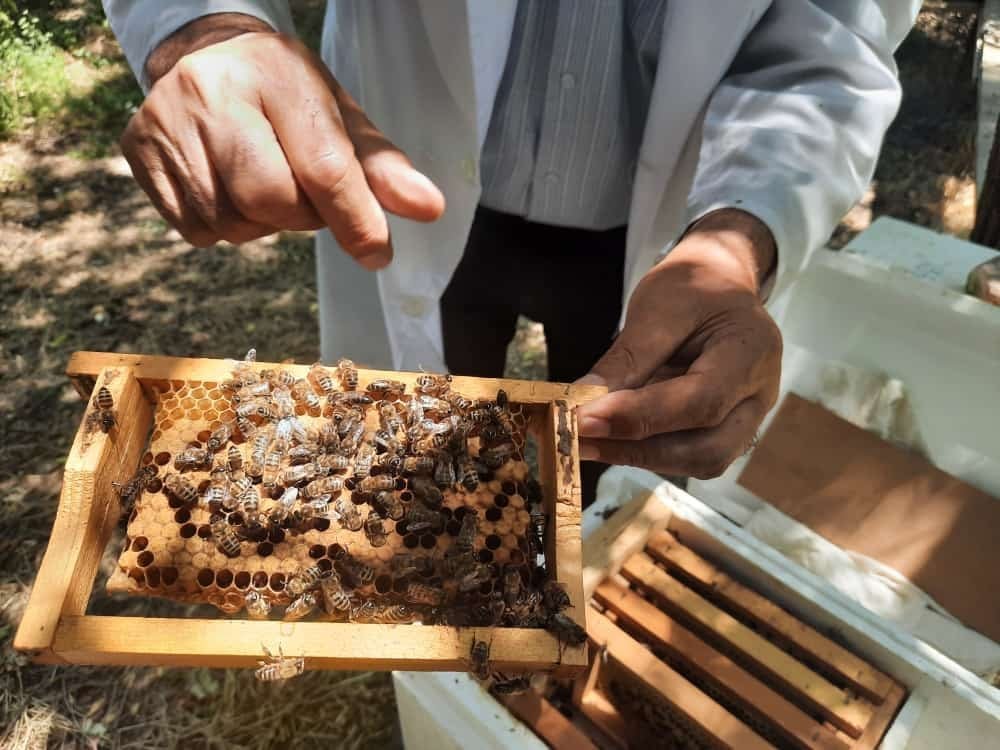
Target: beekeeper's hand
698 363
245 132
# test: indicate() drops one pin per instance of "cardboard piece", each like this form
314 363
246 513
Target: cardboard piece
868 496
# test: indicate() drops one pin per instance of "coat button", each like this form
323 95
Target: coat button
568 80
415 307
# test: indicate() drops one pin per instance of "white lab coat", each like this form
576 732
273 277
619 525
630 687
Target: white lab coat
777 107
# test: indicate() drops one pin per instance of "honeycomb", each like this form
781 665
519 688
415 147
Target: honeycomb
170 550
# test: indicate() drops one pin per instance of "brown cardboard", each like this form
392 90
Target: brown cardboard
868 496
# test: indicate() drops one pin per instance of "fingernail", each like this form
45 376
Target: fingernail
591 379
588 452
594 427
377 260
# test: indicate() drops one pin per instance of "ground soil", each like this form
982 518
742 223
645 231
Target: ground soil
86 263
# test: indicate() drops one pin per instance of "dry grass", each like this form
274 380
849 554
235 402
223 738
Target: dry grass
86 263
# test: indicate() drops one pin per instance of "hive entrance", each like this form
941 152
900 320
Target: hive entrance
211 525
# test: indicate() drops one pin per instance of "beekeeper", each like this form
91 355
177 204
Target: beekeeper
470 161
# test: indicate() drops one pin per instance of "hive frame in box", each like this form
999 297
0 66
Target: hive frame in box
56 629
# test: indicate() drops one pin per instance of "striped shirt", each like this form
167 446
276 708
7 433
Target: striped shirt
570 110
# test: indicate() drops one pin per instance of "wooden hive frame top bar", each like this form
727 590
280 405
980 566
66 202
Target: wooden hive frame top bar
56 629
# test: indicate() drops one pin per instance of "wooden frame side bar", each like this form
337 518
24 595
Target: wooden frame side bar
558 732
147 367
87 514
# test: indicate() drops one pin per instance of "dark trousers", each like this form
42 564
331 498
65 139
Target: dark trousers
569 280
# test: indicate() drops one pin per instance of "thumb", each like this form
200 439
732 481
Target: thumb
396 184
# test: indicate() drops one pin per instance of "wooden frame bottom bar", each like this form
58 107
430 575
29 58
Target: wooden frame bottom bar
342 646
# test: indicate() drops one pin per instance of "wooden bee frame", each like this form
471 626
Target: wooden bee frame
56 628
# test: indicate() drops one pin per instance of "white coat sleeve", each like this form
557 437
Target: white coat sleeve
140 25
793 131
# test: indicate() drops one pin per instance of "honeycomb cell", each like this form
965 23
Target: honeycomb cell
188 530
428 541
211 415
147 458
153 577
493 542
162 458
493 514
502 555
276 582
197 392
204 404
194 415
156 435
515 555
317 551
187 402
259 580
200 558
154 486
228 415
215 394
175 545
500 500
453 527
411 541
205 577
242 580
137 575
176 385
176 414
224 578
139 543
182 558
264 549
204 435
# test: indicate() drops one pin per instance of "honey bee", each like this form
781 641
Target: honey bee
467 474
251 392
272 468
218 491
527 611
225 538
321 378
421 593
478 416
389 419
248 409
281 379
498 455
104 402
386 441
301 606
301 391
474 576
130 491
347 514
324 486
279 668
334 462
181 489
406 564
305 580
374 529
328 438
458 402
349 398
250 502
300 473
444 471
258 606
479 655
423 465
384 613
363 460
377 483
387 390
425 489
388 505
335 599
554 597
433 385
234 460
511 585
467 534
389 463
350 442
566 629
247 427
348 374
192 458
433 407
506 685
302 453
420 518
284 406
353 572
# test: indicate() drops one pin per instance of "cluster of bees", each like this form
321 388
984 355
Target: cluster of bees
292 473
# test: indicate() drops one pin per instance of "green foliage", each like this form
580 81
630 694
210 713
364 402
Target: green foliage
33 80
